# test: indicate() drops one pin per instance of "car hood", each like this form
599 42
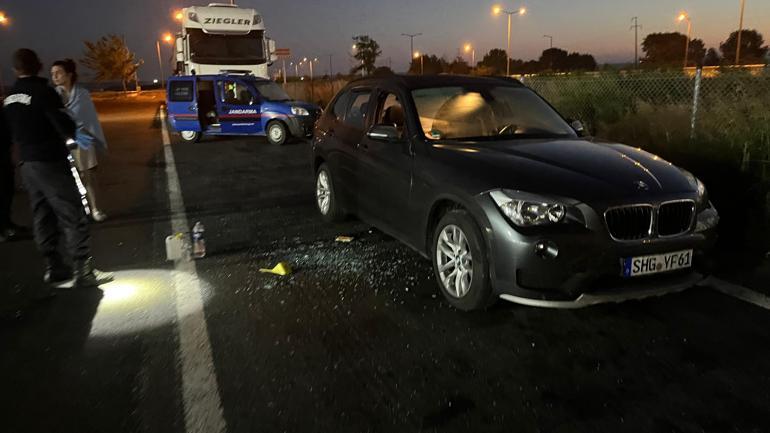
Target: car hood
575 168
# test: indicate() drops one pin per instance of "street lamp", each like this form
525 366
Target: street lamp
178 16
4 19
740 34
469 49
684 16
167 38
497 10
422 64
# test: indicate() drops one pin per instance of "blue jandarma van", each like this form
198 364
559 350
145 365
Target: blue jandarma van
236 105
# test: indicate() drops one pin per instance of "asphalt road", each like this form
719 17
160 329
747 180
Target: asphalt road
357 339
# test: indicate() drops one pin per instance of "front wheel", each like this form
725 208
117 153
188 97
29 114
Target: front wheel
190 136
277 133
460 262
326 198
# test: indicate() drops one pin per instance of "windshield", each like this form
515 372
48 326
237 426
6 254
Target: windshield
486 112
271 91
211 49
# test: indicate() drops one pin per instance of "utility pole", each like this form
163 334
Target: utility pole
411 37
636 28
331 67
740 34
550 38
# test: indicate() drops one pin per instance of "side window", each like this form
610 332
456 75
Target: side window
181 91
235 93
340 106
355 117
391 112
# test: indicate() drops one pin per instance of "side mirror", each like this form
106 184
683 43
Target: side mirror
384 133
272 57
578 127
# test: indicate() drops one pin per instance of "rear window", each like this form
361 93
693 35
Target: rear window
181 91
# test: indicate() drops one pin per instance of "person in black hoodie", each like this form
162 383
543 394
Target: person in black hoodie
41 128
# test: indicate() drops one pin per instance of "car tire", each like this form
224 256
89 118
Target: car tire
277 133
326 198
190 136
457 237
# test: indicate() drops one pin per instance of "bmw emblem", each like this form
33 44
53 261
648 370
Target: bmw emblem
641 186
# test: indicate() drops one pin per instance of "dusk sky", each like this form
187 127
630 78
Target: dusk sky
56 28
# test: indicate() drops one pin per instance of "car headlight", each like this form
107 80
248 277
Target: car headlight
527 210
701 191
299 111
707 220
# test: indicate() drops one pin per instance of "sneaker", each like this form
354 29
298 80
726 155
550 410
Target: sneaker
86 276
98 215
56 271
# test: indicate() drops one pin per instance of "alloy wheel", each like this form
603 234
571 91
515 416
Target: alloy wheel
323 192
455 261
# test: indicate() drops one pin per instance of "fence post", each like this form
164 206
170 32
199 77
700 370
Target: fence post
695 102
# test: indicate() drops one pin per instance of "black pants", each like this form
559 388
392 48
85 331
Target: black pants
6 189
56 208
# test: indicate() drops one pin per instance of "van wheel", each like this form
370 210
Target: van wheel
277 133
460 262
190 136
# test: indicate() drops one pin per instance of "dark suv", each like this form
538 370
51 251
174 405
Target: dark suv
486 179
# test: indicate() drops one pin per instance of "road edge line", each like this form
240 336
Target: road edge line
203 410
737 291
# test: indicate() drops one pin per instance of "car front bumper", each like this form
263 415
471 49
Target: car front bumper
587 268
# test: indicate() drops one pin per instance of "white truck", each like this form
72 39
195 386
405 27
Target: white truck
223 38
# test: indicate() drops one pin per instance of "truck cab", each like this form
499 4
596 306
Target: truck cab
228 104
221 38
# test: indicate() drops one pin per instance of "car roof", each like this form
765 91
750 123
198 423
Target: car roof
422 81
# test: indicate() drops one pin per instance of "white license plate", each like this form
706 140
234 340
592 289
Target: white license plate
654 264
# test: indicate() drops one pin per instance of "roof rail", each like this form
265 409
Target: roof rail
222 5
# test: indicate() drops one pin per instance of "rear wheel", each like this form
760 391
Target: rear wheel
326 198
190 136
277 133
460 262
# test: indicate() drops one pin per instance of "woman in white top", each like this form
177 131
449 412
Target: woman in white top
90 136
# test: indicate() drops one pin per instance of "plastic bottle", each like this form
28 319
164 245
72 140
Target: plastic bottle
198 241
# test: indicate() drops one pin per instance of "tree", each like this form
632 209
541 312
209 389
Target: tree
383 71
367 52
431 65
581 62
712 58
459 66
554 59
110 59
667 49
495 60
753 48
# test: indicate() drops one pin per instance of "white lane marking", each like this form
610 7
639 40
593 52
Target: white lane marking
200 391
739 292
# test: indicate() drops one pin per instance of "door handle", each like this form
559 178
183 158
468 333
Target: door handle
193 108
363 146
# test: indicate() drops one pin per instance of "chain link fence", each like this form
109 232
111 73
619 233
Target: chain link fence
722 114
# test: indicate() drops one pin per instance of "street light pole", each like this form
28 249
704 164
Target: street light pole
636 28
471 49
411 37
160 64
550 38
497 10
682 17
740 34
